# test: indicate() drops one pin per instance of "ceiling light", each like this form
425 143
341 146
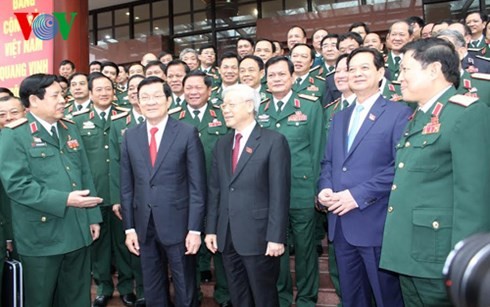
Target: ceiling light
136 18
127 14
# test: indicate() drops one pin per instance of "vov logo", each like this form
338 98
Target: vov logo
45 26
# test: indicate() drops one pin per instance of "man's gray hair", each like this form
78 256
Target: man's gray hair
246 92
457 37
188 50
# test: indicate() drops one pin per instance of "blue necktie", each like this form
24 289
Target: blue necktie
356 124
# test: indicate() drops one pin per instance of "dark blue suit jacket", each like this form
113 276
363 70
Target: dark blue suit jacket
367 170
173 191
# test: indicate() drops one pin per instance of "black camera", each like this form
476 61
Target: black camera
467 272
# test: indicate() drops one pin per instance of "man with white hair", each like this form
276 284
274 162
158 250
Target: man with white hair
248 201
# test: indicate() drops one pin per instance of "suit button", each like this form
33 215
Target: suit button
106 146
401 165
232 189
407 144
390 209
73 184
278 125
393 187
67 168
43 219
435 225
344 169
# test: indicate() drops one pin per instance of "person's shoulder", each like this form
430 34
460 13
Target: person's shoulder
17 123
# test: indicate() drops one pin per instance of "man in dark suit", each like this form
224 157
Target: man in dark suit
249 201
163 191
357 173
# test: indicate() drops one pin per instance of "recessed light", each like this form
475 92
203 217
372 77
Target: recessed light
136 18
157 28
127 14
107 37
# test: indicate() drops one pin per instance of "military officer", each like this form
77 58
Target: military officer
476 22
176 71
155 68
94 124
440 192
399 34
111 71
207 57
45 173
251 73
228 69
306 83
209 121
301 121
79 92
330 53
316 42
129 265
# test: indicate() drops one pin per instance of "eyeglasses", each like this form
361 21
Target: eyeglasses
146 99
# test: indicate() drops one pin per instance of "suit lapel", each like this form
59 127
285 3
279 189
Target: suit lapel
248 150
287 110
372 117
168 138
144 145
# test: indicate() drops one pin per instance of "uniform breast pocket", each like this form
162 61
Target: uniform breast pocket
88 136
431 234
425 148
219 130
42 159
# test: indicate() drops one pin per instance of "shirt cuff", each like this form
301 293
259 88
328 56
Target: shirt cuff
195 232
130 230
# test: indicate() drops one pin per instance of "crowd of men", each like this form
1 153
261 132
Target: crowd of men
156 169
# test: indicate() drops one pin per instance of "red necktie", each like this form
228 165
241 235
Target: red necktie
153 145
235 152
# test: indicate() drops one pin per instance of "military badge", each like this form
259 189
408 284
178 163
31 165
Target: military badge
215 123
88 125
433 126
312 88
298 117
72 143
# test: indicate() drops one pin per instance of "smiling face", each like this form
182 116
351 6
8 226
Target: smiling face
153 102
191 60
476 24
10 110
263 49
295 36
133 90
341 77
330 52
176 74
102 93
244 48
196 92
399 36
301 58
79 88
250 73
229 71
364 77
372 40
416 81
279 79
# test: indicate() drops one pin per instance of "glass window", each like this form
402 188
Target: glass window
182 6
160 26
227 39
141 12
141 29
271 8
296 7
104 35
122 33
199 5
91 37
201 22
182 24
246 14
160 9
121 17
194 41
104 20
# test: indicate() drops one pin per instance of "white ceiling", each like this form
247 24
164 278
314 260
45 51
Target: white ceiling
97 4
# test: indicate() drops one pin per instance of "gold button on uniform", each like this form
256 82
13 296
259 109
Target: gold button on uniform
435 225
393 187
73 184
43 155
407 144
390 209
106 146
67 168
43 219
401 165
278 125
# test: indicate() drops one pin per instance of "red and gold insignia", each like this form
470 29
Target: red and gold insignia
312 88
267 106
128 120
311 80
298 117
182 114
467 84
249 150
72 143
433 126
33 127
215 123
91 115
297 103
213 113
114 112
391 87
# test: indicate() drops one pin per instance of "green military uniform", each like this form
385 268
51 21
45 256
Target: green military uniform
122 99
177 104
213 73
210 128
439 195
38 172
475 85
129 266
216 96
323 70
313 86
5 228
392 66
392 91
71 107
301 122
95 136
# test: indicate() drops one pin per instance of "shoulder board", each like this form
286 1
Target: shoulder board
174 110
122 109
308 97
216 106
481 76
315 68
330 73
482 58
320 77
463 100
215 88
396 82
16 123
80 112
68 120
120 115
265 100
331 103
68 105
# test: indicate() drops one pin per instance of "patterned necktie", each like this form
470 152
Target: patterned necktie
279 106
356 124
235 152
153 145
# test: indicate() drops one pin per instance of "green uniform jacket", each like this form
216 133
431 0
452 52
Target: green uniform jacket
392 67
211 128
122 99
440 192
311 86
329 110
301 122
5 220
216 98
38 175
119 124
95 137
475 85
